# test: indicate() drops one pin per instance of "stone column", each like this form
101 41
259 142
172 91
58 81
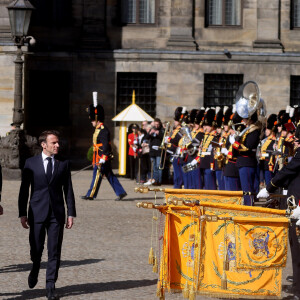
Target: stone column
182 25
268 25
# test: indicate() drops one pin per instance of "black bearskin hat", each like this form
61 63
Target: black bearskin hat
271 122
209 117
279 117
219 118
96 111
177 115
227 115
236 119
254 117
192 117
199 116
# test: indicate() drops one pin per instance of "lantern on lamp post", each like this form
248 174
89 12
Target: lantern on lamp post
19 12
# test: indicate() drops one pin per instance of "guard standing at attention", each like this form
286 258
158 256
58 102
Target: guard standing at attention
102 155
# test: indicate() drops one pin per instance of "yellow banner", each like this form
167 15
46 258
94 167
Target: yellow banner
261 244
201 250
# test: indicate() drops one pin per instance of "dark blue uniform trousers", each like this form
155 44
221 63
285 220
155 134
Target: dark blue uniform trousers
232 183
247 177
192 180
209 178
268 176
97 179
37 236
178 174
220 179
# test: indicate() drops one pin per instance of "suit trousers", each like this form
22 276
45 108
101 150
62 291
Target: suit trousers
294 245
37 237
220 179
209 178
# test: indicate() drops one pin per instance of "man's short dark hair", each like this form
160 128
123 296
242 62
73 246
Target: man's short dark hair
43 136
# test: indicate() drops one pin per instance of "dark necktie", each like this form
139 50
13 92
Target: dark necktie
49 169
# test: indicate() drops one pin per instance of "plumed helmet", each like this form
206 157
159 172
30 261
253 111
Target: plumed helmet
209 118
96 113
193 114
271 122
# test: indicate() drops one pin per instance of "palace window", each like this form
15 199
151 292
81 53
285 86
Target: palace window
295 91
223 12
144 85
295 14
138 11
220 89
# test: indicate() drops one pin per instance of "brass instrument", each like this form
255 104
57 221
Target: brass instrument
163 148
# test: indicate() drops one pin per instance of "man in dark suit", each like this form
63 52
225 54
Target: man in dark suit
48 178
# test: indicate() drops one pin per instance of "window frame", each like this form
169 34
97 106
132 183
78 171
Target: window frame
125 23
294 81
206 96
207 25
292 18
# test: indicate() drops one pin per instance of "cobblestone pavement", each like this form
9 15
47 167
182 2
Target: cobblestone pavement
104 255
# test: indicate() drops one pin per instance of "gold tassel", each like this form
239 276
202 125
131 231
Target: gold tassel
155 267
186 291
160 292
224 281
151 256
192 295
226 264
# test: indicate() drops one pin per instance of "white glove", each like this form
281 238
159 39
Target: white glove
134 149
296 213
263 193
193 162
135 141
298 223
166 139
101 161
224 151
155 147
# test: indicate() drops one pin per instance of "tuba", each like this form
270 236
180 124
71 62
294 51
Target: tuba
248 99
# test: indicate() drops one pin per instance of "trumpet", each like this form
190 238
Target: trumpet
163 148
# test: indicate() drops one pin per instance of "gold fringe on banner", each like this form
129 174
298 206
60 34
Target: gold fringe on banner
151 256
192 295
155 266
186 291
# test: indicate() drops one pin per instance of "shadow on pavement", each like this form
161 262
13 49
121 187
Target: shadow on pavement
64 264
81 289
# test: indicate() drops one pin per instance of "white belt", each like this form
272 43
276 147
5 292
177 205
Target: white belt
265 154
205 153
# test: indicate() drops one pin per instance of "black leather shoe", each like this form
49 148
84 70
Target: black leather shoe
32 281
51 295
121 197
87 198
290 278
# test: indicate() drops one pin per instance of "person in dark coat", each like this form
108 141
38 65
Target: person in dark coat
155 136
49 180
289 178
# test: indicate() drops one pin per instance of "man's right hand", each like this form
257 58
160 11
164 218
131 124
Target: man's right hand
24 222
1 210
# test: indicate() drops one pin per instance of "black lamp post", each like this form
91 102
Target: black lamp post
16 146
19 16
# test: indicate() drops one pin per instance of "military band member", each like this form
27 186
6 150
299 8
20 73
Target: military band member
173 148
218 155
246 144
231 171
132 151
267 146
194 176
102 156
206 155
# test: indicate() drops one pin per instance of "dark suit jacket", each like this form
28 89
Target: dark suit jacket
288 177
44 195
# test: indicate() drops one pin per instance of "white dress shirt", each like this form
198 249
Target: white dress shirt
45 162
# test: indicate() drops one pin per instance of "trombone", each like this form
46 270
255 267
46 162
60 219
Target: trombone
163 148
